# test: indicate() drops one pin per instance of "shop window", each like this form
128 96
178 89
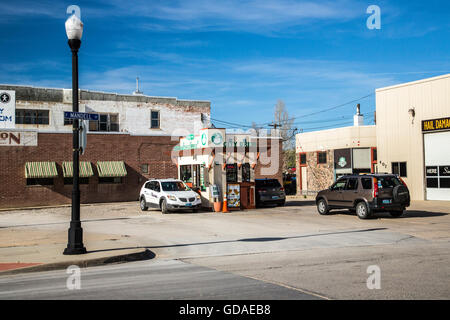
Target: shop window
232 172
399 168
81 180
30 116
186 173
110 180
322 157
245 172
154 121
444 182
105 123
40 181
302 159
144 168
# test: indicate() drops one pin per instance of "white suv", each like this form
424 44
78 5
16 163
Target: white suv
167 194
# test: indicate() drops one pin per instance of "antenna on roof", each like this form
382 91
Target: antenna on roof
137 92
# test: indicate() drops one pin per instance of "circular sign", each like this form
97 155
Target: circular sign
342 162
217 138
4 97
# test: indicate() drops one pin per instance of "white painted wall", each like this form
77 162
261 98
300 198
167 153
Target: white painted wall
399 135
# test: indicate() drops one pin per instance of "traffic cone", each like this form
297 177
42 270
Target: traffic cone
225 205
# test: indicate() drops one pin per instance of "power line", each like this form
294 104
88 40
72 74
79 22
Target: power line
238 125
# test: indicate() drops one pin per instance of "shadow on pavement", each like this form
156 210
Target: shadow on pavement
406 214
293 203
242 240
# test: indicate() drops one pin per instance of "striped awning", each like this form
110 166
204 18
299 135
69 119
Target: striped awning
111 169
85 169
45 169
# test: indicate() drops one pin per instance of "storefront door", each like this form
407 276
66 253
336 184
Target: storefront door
437 165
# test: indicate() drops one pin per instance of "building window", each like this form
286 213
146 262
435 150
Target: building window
68 121
110 180
81 180
154 122
40 181
399 168
144 168
302 159
246 172
29 116
106 123
232 172
186 173
322 157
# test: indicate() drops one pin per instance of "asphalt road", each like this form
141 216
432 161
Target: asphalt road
154 280
272 253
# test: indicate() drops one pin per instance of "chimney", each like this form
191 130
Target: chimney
137 92
358 118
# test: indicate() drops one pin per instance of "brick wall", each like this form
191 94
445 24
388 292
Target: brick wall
133 150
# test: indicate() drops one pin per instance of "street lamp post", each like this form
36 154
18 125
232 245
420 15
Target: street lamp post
74 30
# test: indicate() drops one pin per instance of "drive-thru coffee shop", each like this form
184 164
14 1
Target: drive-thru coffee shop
221 165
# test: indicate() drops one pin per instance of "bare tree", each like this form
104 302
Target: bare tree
282 121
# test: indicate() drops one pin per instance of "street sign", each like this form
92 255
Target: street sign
83 136
81 115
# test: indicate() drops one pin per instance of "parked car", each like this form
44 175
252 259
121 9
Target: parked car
269 191
365 194
168 194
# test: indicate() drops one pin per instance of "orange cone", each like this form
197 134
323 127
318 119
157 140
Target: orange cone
225 205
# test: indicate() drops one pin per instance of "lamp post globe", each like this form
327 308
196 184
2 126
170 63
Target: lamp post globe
74 31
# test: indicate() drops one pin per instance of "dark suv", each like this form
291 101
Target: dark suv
365 194
269 191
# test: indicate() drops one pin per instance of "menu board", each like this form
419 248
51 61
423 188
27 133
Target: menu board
234 195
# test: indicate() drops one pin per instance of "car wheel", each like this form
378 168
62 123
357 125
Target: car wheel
164 206
322 207
362 210
396 214
143 204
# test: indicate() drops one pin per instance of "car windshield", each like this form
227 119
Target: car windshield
388 182
273 183
174 186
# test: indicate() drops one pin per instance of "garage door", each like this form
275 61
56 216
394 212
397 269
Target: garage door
437 165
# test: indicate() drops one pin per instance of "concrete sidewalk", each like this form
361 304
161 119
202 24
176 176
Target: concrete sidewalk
34 240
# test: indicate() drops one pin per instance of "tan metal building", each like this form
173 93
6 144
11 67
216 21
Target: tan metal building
413 135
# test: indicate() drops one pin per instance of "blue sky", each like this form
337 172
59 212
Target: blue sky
241 55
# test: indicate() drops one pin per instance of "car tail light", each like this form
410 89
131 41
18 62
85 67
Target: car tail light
375 188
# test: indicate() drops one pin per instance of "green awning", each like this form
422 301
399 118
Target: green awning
111 169
85 169
46 169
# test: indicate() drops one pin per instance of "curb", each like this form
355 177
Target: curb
129 257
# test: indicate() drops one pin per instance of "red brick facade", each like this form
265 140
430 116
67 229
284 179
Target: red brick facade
133 150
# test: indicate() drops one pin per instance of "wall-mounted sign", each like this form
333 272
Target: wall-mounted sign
18 138
342 158
7 109
436 124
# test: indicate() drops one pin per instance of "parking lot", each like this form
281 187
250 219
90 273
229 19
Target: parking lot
291 246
